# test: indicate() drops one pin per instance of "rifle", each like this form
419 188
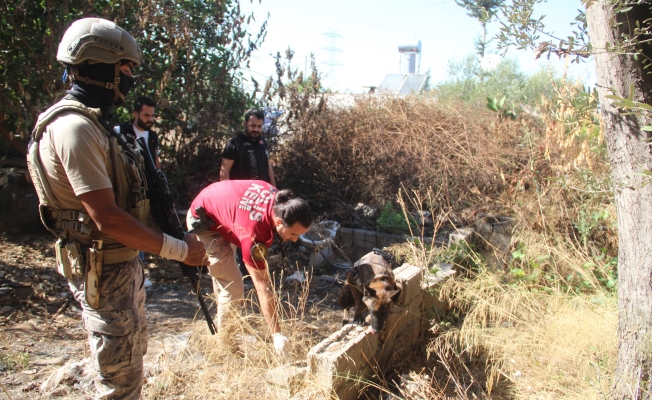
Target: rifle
165 213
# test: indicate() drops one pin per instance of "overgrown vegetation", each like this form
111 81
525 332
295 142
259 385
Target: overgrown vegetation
192 52
536 316
502 331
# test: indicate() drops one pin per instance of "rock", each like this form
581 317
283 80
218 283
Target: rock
4 290
46 277
50 361
6 310
64 295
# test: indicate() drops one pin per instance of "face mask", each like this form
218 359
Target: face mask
126 84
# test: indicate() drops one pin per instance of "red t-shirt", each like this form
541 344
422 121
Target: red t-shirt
242 211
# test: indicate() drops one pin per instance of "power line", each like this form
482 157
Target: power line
333 50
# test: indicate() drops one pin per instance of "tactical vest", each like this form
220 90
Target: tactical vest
129 186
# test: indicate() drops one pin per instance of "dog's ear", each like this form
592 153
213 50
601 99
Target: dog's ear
369 291
394 294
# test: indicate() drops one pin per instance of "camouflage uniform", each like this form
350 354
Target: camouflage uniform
117 330
71 154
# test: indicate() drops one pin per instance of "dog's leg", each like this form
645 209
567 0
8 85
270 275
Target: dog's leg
359 305
345 301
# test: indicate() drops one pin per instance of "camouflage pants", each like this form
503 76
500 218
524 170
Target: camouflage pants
117 330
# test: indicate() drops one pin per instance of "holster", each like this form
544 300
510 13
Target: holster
94 262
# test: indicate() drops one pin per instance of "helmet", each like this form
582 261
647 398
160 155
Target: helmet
97 39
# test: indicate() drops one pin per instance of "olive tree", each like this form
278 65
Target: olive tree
618 34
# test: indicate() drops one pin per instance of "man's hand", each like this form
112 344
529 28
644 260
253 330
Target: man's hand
280 342
196 251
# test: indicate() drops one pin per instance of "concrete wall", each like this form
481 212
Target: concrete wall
345 361
358 242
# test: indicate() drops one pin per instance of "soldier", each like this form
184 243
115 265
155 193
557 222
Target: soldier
92 198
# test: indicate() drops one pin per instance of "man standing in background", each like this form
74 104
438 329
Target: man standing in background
246 156
141 126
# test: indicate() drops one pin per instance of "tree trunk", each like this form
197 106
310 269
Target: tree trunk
629 155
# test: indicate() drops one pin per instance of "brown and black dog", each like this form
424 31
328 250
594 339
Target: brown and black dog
370 284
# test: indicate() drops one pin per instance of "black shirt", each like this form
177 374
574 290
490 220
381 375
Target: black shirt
250 158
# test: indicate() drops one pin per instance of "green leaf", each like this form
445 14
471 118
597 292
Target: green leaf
518 272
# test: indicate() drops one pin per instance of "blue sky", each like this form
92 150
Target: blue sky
368 33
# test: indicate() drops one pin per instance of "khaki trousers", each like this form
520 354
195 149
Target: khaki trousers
224 271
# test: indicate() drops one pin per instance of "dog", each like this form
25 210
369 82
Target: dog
370 285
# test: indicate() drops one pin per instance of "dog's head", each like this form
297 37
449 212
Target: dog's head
379 294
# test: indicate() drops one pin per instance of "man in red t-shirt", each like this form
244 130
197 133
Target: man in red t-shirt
247 214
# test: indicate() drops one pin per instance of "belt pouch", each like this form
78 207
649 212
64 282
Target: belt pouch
63 262
75 258
94 274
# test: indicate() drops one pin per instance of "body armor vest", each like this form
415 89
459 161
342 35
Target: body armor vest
129 186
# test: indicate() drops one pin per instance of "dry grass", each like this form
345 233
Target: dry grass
531 344
367 152
240 362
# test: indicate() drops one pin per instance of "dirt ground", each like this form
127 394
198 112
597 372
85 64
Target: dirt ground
40 323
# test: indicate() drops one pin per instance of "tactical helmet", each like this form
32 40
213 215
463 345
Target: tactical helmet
97 39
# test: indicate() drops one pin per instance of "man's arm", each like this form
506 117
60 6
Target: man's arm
225 169
263 285
120 225
271 173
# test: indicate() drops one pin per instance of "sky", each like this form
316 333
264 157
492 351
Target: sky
355 42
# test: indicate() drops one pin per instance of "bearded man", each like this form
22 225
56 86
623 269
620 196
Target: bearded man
246 156
141 126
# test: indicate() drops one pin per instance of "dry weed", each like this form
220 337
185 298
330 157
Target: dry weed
367 152
240 361
531 343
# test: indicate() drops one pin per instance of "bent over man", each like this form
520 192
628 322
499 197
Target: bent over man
92 198
246 214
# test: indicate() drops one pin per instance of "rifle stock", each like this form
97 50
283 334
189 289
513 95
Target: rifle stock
165 213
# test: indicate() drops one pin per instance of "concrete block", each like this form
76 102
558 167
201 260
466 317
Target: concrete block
404 339
350 389
395 325
359 236
345 235
286 381
442 271
367 239
408 278
340 356
462 234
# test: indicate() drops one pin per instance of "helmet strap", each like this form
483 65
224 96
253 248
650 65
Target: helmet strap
74 74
